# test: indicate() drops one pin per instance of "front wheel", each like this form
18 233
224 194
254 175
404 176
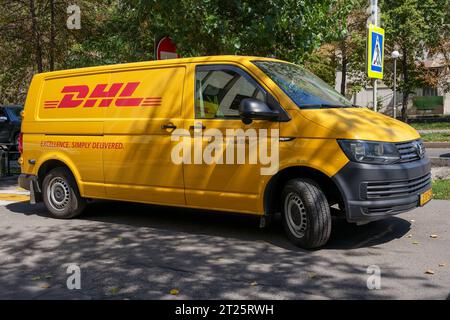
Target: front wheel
61 195
306 214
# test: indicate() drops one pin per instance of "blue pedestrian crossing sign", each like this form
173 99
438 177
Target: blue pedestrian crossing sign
375 52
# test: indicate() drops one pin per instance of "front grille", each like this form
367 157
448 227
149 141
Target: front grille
409 150
391 189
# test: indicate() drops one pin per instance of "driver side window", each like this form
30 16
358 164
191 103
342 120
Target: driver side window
219 92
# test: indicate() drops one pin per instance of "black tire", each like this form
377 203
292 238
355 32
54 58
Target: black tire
306 214
61 195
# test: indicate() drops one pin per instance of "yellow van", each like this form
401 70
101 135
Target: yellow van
110 132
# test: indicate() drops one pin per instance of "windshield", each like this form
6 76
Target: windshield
303 87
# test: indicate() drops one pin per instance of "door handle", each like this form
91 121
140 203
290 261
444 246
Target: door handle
197 127
168 126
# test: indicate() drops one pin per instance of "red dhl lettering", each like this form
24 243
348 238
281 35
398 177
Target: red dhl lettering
103 95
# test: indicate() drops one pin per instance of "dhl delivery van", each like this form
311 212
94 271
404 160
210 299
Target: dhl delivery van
118 132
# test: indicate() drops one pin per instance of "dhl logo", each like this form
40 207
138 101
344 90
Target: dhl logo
118 94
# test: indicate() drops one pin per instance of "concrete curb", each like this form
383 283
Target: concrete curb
441 145
439 162
434 131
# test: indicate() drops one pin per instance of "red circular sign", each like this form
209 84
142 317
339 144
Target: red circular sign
166 49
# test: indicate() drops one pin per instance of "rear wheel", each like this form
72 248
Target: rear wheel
306 213
61 195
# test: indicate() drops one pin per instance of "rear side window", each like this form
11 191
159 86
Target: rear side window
220 90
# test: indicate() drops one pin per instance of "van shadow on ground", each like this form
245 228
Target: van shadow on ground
144 251
228 225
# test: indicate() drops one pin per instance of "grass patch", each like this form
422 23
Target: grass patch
437 137
430 125
441 189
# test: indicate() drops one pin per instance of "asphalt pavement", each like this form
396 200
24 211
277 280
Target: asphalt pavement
135 251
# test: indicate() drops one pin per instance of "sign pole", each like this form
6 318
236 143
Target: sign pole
395 88
375 51
375 20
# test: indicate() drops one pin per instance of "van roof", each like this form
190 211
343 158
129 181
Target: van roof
218 58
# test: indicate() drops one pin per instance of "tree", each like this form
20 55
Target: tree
344 48
413 27
323 62
34 38
350 44
285 29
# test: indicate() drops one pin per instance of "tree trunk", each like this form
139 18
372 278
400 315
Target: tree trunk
52 35
344 68
404 106
36 37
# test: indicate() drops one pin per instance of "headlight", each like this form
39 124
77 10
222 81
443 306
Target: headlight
370 151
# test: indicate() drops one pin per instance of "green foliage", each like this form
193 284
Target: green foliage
118 31
436 137
414 27
318 34
441 189
286 29
322 63
430 125
345 47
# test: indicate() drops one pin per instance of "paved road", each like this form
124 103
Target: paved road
132 251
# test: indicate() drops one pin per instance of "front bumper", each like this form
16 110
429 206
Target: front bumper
372 192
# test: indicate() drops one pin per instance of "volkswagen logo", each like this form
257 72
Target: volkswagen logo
419 148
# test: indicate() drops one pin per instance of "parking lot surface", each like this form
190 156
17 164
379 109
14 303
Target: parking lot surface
134 251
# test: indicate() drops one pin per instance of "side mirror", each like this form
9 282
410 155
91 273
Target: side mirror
253 109
3 119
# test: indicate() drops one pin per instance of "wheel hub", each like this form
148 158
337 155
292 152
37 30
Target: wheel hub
295 214
58 193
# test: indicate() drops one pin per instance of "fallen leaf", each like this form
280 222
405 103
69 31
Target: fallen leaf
36 278
254 283
118 239
434 236
45 286
174 292
415 242
48 276
114 291
442 264
312 275
429 271
409 236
